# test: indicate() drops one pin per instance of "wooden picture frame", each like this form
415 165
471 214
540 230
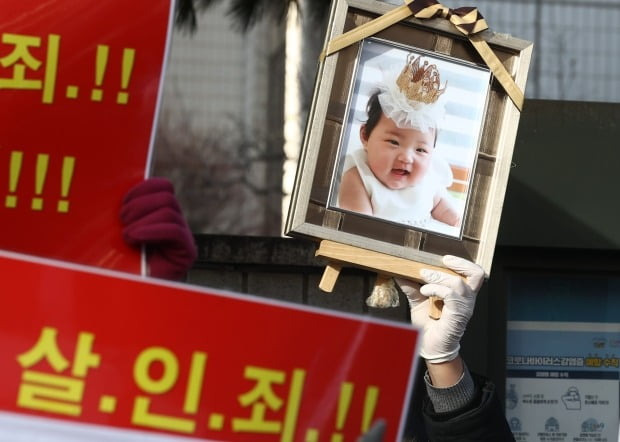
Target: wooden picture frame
314 211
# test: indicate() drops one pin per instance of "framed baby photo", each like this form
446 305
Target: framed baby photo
409 139
412 158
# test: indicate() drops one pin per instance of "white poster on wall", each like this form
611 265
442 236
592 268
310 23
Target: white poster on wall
562 382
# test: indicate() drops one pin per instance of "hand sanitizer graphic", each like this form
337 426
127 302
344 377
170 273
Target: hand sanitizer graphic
572 399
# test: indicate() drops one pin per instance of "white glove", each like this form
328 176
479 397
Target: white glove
441 338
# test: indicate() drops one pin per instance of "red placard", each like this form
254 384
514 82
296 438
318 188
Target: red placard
79 89
100 347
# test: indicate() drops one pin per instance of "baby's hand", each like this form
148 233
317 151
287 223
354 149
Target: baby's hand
445 212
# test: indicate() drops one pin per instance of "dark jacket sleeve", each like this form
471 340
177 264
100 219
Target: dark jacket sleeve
482 420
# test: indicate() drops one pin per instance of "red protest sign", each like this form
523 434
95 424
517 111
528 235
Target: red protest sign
89 346
79 88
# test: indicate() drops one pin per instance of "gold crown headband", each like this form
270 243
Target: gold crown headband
420 83
412 96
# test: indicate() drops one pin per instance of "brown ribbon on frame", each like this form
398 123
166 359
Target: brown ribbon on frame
466 19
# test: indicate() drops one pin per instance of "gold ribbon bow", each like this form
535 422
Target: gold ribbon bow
466 19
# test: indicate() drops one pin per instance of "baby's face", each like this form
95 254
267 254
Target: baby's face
398 157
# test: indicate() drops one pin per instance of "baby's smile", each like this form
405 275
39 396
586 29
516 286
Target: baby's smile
402 172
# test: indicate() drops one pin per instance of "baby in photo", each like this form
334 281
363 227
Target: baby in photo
397 175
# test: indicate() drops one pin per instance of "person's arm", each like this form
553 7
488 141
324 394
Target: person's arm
449 386
448 382
445 374
481 419
459 406
152 217
353 195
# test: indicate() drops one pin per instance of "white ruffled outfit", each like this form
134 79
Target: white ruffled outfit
410 205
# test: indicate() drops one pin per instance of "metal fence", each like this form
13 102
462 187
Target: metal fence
576 45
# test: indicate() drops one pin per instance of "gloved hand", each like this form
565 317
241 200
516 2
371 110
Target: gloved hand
151 216
441 338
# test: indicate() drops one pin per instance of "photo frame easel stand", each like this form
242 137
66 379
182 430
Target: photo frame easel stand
385 266
341 234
